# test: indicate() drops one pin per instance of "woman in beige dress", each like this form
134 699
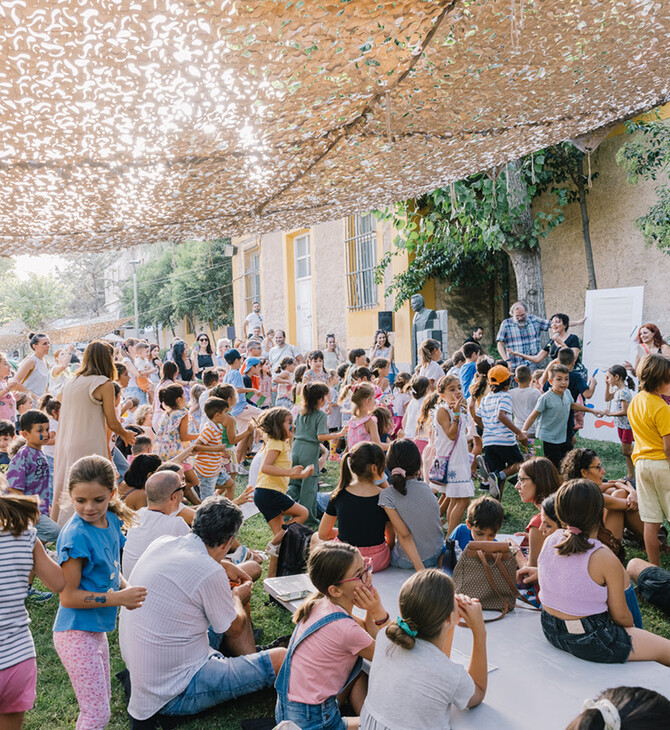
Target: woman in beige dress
86 411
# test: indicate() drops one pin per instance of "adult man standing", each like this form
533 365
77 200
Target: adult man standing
520 332
175 667
477 336
254 319
282 349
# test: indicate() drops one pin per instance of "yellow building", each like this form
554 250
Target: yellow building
316 281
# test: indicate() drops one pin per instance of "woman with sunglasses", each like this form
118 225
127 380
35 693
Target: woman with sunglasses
326 652
202 355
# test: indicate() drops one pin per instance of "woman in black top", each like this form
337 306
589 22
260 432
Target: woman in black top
202 355
354 504
183 362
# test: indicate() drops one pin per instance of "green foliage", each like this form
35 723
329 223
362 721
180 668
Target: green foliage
647 157
458 233
84 274
564 164
36 300
198 286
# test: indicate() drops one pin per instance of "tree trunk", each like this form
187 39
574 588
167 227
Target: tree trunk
586 230
526 258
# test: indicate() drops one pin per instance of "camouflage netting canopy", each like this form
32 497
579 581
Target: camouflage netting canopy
83 332
134 121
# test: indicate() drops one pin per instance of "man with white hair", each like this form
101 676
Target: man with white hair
160 517
521 333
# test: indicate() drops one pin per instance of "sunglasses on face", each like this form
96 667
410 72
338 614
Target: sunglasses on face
182 488
362 575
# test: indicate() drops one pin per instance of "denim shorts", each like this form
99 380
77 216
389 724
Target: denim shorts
206 485
602 640
134 391
271 503
221 679
399 562
47 529
325 716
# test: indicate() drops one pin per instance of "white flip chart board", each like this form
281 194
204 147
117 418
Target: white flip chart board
613 317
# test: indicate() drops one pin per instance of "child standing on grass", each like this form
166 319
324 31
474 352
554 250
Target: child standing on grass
553 409
418 388
265 382
89 553
283 380
649 418
411 658
400 399
501 456
363 425
311 430
450 423
21 555
272 484
524 400
619 392
316 672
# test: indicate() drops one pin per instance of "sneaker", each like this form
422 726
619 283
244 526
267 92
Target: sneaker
482 470
242 471
494 489
38 596
239 555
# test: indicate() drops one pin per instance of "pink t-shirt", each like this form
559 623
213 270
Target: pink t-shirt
7 407
322 663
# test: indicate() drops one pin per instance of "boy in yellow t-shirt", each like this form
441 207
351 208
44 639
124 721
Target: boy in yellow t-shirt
649 417
270 494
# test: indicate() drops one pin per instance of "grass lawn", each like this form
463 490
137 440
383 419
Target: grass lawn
56 706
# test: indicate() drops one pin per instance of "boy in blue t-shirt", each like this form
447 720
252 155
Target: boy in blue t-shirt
501 458
471 351
483 521
553 409
242 412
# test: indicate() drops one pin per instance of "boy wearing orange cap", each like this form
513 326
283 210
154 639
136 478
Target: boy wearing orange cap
502 456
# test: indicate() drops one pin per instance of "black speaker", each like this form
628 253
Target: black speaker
385 321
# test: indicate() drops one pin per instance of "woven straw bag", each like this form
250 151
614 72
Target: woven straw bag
487 571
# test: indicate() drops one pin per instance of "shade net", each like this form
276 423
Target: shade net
128 121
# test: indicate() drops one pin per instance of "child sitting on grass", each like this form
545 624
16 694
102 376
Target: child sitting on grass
412 510
483 521
354 503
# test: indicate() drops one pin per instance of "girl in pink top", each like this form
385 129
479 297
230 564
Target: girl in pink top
363 425
584 609
328 645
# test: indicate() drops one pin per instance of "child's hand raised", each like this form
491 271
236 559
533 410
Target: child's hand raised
246 496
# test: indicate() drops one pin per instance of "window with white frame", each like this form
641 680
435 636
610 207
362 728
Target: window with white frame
360 244
252 278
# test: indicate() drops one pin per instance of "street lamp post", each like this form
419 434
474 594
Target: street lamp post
134 263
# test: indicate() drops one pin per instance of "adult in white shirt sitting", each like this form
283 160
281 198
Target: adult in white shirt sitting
160 517
170 646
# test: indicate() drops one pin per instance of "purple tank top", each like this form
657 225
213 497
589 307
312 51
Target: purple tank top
566 584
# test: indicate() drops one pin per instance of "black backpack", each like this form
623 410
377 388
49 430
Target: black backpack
294 550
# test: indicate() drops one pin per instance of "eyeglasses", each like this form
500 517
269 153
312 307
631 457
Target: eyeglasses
597 466
523 479
203 339
182 488
362 575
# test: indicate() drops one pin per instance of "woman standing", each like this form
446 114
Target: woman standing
382 347
332 356
86 412
202 355
649 339
32 377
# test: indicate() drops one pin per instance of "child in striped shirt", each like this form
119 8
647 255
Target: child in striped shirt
211 447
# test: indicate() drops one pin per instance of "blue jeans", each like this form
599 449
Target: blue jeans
47 529
399 562
633 606
325 716
206 485
120 462
133 391
221 679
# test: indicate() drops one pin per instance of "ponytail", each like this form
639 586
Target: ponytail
579 506
404 462
621 372
427 406
358 462
426 350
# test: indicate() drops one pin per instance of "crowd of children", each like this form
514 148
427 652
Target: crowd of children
413 449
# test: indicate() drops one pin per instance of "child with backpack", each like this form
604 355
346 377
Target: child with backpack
316 672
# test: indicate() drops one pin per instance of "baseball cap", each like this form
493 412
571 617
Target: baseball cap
499 374
231 355
251 361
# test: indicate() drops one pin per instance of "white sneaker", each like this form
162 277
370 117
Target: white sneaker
494 489
242 471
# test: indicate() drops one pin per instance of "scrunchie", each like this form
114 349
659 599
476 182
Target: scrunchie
405 627
574 531
398 470
610 714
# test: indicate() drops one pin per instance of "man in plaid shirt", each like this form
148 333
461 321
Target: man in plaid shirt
521 333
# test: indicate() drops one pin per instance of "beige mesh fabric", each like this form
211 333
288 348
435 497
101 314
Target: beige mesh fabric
60 336
132 121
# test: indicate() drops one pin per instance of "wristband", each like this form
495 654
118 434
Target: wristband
383 621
